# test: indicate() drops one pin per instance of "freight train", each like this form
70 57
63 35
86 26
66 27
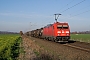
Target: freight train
57 32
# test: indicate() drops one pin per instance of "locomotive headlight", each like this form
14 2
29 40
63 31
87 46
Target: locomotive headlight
58 31
67 31
67 34
58 34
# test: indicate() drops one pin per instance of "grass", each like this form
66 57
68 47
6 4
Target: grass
36 52
9 46
81 37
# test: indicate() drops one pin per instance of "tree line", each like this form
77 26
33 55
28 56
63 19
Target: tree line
6 32
81 32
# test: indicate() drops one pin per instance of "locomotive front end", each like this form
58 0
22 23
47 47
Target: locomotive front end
62 32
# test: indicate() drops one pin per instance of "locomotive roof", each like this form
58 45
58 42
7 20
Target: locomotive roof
60 22
56 23
49 25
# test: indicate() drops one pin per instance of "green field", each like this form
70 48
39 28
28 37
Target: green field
81 37
9 46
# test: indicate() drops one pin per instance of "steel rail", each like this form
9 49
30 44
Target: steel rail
84 49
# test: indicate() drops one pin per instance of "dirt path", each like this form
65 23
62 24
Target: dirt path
38 49
32 51
28 53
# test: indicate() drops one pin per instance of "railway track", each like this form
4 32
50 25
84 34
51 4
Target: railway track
78 47
72 50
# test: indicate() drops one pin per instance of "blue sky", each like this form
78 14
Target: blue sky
26 15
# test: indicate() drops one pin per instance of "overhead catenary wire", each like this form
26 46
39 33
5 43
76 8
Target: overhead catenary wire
73 6
81 10
78 10
81 13
67 4
70 2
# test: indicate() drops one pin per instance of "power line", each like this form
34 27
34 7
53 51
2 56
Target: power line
67 4
81 13
82 9
70 2
73 6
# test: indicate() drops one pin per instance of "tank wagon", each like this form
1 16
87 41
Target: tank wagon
58 32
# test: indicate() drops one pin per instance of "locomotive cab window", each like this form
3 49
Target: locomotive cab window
59 26
65 26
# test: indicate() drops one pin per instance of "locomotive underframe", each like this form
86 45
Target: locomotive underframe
62 38
58 38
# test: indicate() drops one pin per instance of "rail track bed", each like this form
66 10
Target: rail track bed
73 50
79 45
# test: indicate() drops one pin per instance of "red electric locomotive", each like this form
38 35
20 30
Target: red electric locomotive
57 32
